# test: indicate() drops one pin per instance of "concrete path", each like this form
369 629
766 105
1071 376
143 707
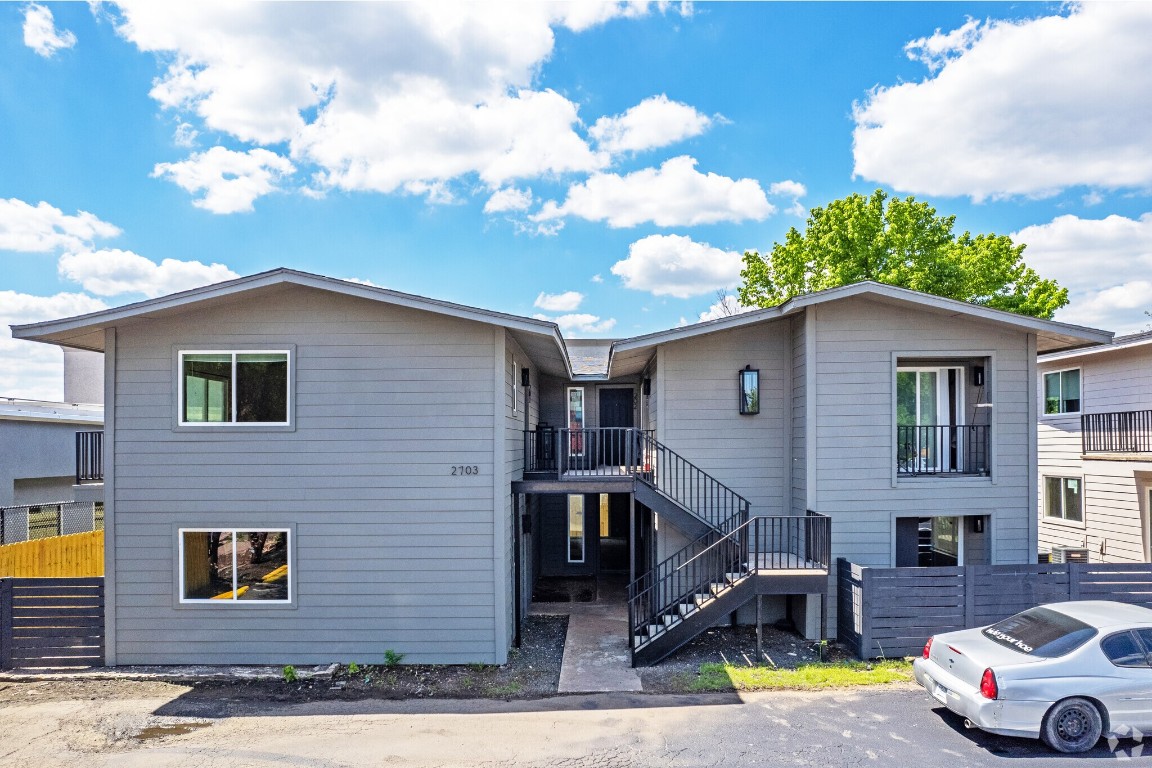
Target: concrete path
596 654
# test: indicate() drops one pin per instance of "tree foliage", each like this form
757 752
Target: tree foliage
903 243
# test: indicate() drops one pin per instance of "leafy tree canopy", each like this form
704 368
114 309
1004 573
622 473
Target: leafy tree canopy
903 243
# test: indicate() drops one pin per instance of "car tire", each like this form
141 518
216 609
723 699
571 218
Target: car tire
1072 725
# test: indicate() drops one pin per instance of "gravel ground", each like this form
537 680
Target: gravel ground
532 671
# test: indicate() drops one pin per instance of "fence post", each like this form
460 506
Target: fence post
1074 581
865 614
5 623
970 595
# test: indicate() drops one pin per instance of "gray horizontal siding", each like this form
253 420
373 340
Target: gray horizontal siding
392 552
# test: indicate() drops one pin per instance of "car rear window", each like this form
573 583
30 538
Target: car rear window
1040 632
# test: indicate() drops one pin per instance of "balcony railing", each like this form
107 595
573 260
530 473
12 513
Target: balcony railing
956 449
89 457
1118 432
603 452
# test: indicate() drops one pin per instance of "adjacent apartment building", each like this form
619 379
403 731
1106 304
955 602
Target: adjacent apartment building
302 469
1095 438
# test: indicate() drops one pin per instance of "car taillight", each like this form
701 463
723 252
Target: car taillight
928 648
988 687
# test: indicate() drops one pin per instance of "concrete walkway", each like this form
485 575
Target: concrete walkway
596 654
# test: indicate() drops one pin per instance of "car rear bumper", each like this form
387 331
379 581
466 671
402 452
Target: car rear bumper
1007 718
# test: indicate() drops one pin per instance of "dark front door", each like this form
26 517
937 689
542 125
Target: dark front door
615 417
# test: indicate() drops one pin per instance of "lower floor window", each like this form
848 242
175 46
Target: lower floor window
1064 498
575 528
235 564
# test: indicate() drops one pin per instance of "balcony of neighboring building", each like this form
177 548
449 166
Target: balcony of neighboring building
1117 435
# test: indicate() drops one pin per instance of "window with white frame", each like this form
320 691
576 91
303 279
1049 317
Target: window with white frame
1062 391
231 565
1064 498
234 387
575 528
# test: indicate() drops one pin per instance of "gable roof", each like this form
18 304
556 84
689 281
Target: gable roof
630 355
541 339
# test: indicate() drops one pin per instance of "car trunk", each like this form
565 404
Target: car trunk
966 654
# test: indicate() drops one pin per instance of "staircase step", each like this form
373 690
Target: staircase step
686 608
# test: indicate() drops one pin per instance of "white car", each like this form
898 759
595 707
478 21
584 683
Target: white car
1066 673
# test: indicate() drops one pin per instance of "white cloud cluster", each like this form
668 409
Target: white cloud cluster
229 181
674 265
724 306
559 302
1024 108
43 228
655 122
509 199
675 194
28 369
40 33
1104 264
580 324
111 272
380 96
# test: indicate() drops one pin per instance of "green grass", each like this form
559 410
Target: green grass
807 677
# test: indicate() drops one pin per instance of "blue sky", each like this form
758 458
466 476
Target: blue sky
601 165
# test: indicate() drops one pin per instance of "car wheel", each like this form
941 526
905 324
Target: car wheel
1072 725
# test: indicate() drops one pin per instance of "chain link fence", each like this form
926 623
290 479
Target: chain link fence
39 521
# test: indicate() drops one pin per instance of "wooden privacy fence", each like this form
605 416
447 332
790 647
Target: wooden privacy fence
891 612
51 622
79 554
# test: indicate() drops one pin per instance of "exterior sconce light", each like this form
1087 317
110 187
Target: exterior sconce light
749 379
647 387
525 377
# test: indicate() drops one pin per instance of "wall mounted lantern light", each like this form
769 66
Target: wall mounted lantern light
749 379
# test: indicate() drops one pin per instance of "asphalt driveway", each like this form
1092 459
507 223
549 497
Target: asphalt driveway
157 725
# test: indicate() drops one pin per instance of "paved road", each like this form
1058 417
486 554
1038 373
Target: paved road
881 727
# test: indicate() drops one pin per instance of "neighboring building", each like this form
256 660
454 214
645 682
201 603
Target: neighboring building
38 455
1095 437
303 469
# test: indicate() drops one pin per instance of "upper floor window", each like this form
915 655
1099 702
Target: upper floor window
1062 391
248 387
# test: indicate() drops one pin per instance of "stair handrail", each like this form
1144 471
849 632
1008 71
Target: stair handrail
688 485
689 550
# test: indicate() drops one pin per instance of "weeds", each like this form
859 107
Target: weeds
289 673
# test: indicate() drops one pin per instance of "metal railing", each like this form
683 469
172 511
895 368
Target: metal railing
759 545
1117 432
89 457
945 449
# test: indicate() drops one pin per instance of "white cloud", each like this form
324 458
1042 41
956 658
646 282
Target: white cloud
27 368
185 135
112 272
40 33
597 278
43 228
1018 108
559 302
675 194
575 325
655 122
378 95
787 188
723 307
1096 260
230 181
509 199
674 265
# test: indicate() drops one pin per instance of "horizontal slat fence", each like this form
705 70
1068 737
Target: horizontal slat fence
51 623
77 555
891 612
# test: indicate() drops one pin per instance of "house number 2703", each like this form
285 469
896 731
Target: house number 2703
465 469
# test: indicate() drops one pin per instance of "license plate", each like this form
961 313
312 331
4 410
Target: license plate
940 693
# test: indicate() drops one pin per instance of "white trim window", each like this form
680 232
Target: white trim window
1064 498
928 399
576 421
234 387
1062 392
576 528
222 566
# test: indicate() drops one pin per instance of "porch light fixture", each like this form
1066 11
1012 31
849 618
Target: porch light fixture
749 379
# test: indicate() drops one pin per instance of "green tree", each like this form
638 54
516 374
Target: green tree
903 243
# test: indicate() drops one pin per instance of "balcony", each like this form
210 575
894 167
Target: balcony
584 453
949 449
89 457
1120 432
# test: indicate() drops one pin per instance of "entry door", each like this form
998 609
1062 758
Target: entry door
615 416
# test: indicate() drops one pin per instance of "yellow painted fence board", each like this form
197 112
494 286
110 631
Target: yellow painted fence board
79 554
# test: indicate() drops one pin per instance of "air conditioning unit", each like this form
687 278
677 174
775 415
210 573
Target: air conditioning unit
1069 554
